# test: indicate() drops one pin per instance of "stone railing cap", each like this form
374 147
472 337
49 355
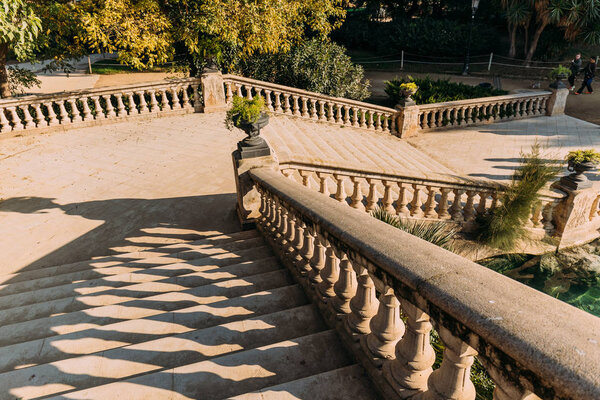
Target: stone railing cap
560 343
480 100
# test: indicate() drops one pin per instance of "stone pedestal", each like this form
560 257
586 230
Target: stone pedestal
556 103
213 92
248 199
577 218
407 119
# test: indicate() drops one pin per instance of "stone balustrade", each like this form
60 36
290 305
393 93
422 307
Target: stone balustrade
384 291
317 107
431 197
94 106
479 111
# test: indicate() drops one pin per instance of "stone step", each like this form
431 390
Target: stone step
99 339
342 383
169 352
118 259
108 315
231 374
47 307
249 250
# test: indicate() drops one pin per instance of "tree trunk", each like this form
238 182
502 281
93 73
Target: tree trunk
526 32
4 89
534 41
512 33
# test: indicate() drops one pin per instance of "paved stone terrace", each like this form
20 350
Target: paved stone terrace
493 151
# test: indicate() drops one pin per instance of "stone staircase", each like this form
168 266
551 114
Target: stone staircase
213 318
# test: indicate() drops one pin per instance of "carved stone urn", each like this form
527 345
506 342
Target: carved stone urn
577 180
254 145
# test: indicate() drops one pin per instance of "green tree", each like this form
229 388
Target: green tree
19 28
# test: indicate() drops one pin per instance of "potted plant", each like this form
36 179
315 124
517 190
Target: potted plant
249 116
408 89
557 75
579 162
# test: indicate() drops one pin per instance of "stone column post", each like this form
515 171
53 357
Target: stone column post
557 101
213 92
577 217
248 198
407 119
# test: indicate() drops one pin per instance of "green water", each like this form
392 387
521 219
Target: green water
571 284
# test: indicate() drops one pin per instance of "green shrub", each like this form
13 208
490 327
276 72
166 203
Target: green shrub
436 232
581 156
438 91
315 65
244 111
560 70
504 225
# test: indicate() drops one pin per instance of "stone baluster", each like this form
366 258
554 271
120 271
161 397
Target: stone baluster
364 304
121 111
536 216
281 239
39 119
290 234
357 196
248 89
307 252
372 197
313 109
415 204
154 108
317 262
185 100
75 114
164 100
340 194
52 116
469 210
174 99
430 202
462 116
110 110
345 115
544 105
338 114
99 112
377 121
16 121
443 204
299 240
286 104
437 117
268 101
278 108
345 287
62 112
228 93
323 188
133 110
305 178
295 108
468 115
330 272
370 121
322 113
238 90
402 201
196 94
27 118
304 110
529 107
429 118
454 117
481 206
452 379
363 116
5 125
455 209
329 116
409 372
386 327
548 215
387 200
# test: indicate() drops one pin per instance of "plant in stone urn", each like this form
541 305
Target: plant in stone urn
408 89
580 161
249 116
557 75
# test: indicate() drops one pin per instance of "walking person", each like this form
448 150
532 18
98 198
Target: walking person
589 72
575 67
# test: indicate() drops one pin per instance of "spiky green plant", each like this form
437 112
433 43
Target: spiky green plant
581 156
436 232
244 111
503 226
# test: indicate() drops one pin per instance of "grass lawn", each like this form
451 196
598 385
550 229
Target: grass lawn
111 66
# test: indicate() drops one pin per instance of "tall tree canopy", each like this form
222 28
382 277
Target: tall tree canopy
19 27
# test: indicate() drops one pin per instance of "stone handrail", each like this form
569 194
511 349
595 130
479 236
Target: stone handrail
363 274
431 196
482 110
318 107
98 105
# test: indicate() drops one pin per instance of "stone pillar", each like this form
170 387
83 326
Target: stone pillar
407 119
248 198
577 217
213 92
557 101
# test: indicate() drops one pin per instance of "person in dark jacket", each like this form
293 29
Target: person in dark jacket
575 67
589 72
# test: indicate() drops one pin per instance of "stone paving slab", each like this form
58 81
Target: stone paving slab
493 151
